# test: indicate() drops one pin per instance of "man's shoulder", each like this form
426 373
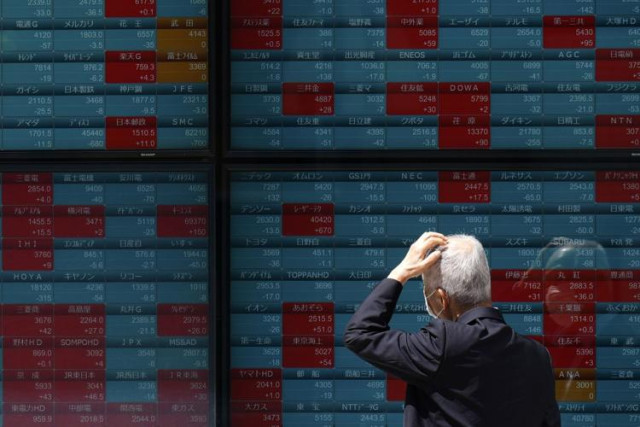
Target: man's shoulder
486 332
477 324
534 350
460 337
533 345
484 329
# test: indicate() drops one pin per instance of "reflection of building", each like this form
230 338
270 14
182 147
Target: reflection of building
572 271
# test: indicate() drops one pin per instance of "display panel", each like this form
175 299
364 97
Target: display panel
435 75
104 75
307 246
105 297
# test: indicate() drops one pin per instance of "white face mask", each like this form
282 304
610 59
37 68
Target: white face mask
426 303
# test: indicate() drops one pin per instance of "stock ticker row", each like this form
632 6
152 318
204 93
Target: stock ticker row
429 75
368 75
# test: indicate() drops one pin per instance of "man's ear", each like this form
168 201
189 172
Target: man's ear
444 296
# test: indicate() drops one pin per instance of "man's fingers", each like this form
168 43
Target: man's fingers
416 260
422 248
419 256
425 236
433 257
431 243
431 239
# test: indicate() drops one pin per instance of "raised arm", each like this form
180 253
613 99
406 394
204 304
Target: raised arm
414 357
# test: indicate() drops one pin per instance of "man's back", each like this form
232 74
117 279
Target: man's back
473 372
488 376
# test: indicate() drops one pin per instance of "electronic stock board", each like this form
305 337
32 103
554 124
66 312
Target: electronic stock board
308 245
104 75
106 268
525 79
435 75
106 276
104 297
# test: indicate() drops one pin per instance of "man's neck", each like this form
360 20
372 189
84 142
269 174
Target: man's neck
459 310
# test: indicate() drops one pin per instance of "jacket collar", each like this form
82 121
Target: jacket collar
479 313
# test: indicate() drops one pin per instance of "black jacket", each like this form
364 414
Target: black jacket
473 372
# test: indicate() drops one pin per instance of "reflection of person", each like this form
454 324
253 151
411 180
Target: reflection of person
569 275
573 257
467 367
566 271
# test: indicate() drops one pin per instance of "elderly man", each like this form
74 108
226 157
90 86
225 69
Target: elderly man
467 367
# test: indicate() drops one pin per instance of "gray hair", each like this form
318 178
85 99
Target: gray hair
463 271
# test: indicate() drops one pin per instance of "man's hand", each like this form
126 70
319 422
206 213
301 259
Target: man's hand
415 263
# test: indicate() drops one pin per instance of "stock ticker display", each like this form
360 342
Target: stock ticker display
424 74
104 74
104 281
308 246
